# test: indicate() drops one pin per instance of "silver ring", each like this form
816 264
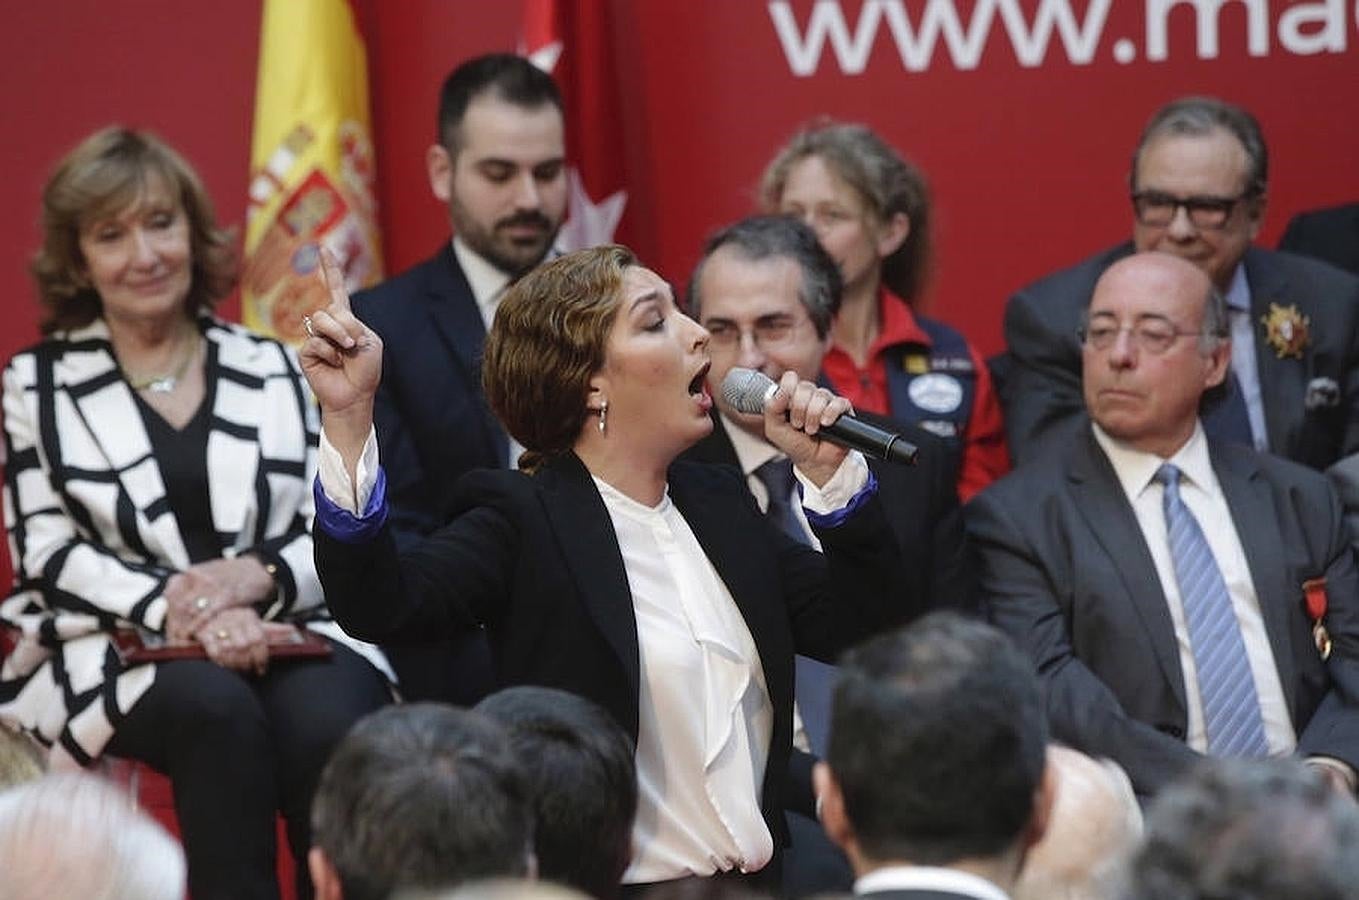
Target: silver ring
306 326
201 603
222 634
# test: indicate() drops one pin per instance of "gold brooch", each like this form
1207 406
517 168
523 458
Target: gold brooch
1286 330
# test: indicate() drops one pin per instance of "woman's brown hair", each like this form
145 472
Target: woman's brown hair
105 174
547 340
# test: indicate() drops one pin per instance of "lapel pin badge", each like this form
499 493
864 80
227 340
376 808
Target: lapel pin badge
1286 330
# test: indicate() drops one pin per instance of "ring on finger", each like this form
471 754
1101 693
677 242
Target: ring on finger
222 634
306 326
201 603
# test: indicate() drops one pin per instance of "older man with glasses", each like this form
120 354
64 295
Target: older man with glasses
767 292
1179 595
1198 189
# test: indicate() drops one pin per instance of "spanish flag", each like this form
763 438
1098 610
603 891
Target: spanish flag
311 164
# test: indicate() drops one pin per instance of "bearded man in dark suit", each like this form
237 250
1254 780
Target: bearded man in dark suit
499 164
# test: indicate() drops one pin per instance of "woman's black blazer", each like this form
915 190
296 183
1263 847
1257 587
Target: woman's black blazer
535 560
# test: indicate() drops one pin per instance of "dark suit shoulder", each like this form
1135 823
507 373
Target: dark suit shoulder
1330 234
1044 473
1327 281
508 487
701 477
1282 473
512 492
1075 280
382 305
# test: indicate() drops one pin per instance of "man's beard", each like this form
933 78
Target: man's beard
512 257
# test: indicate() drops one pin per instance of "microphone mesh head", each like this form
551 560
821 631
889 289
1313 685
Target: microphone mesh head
745 390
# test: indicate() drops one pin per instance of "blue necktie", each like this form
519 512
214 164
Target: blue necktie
1231 709
778 479
814 679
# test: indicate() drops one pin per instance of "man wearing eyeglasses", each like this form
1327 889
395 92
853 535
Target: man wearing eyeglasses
1198 191
1179 595
767 291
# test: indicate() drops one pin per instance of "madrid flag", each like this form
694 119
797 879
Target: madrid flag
311 164
571 41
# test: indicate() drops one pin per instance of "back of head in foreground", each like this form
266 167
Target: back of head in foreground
421 796
1095 827
496 889
583 776
77 837
1249 830
937 751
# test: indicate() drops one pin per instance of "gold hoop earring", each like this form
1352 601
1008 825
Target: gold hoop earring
603 414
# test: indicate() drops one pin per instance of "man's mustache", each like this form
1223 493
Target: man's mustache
531 219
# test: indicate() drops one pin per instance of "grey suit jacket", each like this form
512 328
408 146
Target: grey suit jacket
1065 571
1042 398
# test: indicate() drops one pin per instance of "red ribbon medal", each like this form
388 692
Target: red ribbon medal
1314 596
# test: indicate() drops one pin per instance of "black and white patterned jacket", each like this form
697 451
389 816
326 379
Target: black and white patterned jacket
92 537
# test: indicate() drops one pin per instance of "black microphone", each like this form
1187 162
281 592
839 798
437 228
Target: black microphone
747 391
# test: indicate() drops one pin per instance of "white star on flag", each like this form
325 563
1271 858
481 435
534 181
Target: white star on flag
546 56
589 224
553 33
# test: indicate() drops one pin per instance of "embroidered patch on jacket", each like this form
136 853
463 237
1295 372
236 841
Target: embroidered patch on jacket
951 364
936 392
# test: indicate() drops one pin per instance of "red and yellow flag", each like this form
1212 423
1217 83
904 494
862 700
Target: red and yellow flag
311 164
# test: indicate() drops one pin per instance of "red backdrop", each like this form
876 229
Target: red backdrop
1024 138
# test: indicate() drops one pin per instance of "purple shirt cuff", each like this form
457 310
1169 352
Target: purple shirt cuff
345 527
837 518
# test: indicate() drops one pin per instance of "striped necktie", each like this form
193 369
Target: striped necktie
1231 709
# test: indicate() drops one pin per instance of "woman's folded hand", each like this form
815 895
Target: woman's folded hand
235 638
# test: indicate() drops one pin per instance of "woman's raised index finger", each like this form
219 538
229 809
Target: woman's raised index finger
332 276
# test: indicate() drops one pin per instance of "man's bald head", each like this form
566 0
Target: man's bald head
1094 828
1155 341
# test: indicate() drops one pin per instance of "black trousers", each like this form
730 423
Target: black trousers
240 748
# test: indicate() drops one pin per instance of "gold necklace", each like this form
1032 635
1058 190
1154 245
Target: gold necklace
168 381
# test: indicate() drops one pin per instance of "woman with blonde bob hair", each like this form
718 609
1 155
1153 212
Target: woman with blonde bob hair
605 568
870 209
158 476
